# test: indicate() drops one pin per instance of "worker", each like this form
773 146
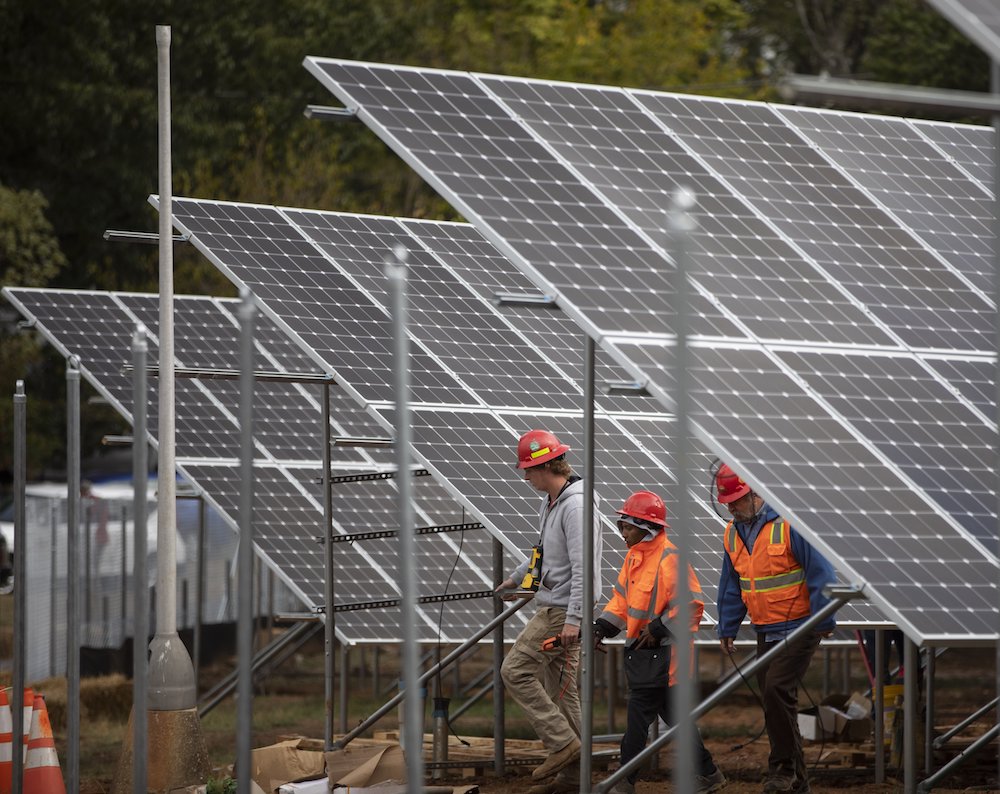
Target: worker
544 681
771 571
644 601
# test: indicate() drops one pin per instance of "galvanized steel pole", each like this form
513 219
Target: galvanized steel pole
413 739
73 577
19 540
499 734
681 224
140 576
329 628
587 619
244 686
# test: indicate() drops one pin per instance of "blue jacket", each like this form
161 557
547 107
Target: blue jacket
819 573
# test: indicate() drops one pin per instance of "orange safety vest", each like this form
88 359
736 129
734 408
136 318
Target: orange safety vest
772 582
641 576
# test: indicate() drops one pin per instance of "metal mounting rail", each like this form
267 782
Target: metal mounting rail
392 602
391 533
371 475
214 373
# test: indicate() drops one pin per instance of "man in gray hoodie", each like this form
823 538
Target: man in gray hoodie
544 681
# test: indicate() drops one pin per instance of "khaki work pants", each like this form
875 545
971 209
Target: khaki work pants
544 682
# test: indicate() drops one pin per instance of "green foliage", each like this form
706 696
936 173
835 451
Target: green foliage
226 785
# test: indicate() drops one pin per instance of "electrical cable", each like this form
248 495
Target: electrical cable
447 584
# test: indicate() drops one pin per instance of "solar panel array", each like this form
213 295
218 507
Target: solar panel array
483 373
288 497
842 326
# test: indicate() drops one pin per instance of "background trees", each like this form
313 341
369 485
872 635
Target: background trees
78 104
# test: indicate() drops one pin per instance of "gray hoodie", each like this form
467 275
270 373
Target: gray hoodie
561 528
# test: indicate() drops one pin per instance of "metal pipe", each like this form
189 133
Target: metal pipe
413 737
969 752
123 599
345 670
20 546
439 726
910 662
942 740
587 619
73 576
53 578
329 630
929 715
140 576
838 599
681 225
500 743
995 121
199 589
245 623
455 654
880 662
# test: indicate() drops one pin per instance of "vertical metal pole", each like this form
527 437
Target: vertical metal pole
845 669
245 603
587 620
88 562
199 586
995 88
123 600
499 736
910 717
345 669
20 544
171 674
53 578
681 224
140 574
929 715
329 628
73 580
879 706
395 270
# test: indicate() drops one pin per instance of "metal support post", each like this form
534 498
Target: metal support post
681 225
199 589
879 706
73 575
929 713
329 629
20 544
587 620
499 735
910 696
345 674
395 270
245 579
140 576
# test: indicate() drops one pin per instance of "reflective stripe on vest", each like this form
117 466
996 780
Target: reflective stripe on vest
770 598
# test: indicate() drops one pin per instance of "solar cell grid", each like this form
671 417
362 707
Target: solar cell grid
449 320
546 216
969 146
637 165
898 280
912 179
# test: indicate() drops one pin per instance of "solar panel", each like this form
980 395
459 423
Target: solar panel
821 242
288 516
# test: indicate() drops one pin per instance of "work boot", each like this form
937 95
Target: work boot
703 784
558 760
785 784
560 784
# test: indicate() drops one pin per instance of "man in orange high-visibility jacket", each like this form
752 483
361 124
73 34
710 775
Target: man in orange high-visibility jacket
772 572
643 603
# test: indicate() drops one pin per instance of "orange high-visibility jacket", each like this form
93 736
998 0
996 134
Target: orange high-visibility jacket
772 582
629 605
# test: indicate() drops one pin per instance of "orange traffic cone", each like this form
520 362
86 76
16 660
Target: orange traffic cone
42 774
7 736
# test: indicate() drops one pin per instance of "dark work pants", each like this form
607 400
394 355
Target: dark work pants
644 706
779 690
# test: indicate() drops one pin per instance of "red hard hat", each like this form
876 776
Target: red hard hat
730 485
537 447
647 506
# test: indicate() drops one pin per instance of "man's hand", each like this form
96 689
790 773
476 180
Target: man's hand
569 635
506 590
728 644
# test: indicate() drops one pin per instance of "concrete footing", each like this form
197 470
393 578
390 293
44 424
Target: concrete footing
176 756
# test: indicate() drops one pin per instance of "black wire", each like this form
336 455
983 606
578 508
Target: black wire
451 573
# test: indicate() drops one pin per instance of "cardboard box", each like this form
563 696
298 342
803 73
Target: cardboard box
817 723
854 723
285 762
